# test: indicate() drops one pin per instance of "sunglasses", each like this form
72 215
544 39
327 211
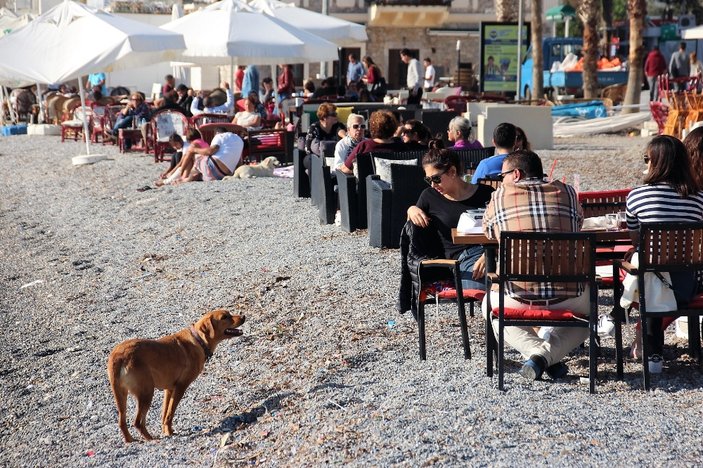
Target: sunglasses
434 179
501 175
358 126
646 159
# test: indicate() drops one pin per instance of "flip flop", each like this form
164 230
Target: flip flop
144 189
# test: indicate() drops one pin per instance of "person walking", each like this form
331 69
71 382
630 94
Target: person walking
430 75
413 77
679 66
654 65
355 70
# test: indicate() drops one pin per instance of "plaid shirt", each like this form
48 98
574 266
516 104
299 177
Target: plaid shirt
535 206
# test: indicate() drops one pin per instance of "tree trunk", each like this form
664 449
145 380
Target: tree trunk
636 10
589 14
506 10
537 58
607 26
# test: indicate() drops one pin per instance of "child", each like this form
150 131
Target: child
180 164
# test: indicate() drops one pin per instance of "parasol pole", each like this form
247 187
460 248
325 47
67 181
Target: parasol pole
81 92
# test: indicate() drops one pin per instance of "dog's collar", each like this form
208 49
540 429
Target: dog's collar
208 353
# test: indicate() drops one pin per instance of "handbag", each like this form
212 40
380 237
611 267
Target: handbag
658 291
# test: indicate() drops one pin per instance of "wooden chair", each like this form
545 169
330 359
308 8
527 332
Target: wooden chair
665 247
269 142
163 124
98 123
197 120
73 128
547 258
603 202
494 182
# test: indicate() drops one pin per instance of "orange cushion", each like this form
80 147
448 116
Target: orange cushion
536 314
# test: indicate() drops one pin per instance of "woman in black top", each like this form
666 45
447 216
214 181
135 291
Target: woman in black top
440 206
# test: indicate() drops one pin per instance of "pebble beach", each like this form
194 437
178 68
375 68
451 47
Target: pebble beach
327 371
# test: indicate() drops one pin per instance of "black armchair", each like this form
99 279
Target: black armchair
322 189
352 190
471 157
388 203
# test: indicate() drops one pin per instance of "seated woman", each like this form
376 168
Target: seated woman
440 206
414 134
382 126
459 132
670 194
249 118
328 128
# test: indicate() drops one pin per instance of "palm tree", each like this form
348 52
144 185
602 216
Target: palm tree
506 10
589 13
537 59
637 11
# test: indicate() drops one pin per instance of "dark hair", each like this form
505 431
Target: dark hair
669 164
253 97
504 135
221 130
175 138
309 86
428 60
407 52
382 124
417 127
443 159
182 87
682 45
694 147
169 77
521 142
193 134
368 60
268 79
527 162
352 56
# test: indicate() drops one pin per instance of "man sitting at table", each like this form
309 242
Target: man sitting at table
526 202
504 136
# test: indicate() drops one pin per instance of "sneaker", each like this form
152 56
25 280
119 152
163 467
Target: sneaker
533 368
338 218
656 363
557 371
606 327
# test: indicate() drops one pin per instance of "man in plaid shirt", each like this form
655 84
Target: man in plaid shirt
526 202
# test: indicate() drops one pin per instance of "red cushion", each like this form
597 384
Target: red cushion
696 302
445 290
536 314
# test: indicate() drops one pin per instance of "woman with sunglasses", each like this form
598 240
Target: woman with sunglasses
670 194
440 206
327 128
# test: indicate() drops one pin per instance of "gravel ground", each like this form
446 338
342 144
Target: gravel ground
327 372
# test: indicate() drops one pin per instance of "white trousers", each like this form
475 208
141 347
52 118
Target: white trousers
561 340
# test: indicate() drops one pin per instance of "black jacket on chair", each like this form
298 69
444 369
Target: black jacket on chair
416 244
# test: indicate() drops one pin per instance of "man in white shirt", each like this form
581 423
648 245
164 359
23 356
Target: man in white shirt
430 75
208 108
413 78
218 160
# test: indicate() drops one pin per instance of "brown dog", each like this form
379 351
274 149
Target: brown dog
170 363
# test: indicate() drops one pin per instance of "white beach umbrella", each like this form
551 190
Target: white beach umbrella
228 30
336 30
72 40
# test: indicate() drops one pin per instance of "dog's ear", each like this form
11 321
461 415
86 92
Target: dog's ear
207 328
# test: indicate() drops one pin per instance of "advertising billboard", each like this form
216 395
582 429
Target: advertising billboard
499 43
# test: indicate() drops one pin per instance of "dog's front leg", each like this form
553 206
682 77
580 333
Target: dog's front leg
168 395
170 408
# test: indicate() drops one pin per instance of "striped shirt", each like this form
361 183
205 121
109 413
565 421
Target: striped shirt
659 203
535 206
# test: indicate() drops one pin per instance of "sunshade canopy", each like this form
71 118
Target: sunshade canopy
560 13
73 40
233 30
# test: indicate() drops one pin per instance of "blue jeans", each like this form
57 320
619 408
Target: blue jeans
467 259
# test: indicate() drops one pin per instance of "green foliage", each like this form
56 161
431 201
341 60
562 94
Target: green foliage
619 10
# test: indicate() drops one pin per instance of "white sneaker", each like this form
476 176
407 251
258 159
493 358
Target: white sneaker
606 327
656 363
338 218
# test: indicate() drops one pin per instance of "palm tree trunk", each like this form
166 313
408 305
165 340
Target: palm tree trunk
636 10
589 13
537 58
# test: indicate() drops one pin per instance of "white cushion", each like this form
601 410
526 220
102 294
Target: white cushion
383 166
